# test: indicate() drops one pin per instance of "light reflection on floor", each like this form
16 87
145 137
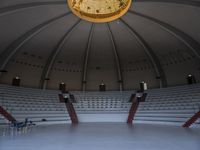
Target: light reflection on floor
101 136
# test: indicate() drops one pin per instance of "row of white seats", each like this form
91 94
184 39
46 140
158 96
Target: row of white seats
39 106
28 97
172 105
102 102
11 88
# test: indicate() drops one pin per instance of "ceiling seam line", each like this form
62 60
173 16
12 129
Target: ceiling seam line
52 57
182 2
16 8
14 47
19 7
86 57
117 59
192 44
151 55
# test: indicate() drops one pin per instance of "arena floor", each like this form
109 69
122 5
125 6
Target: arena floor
101 136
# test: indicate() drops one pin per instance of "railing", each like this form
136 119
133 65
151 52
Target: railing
70 109
135 103
194 118
72 112
7 115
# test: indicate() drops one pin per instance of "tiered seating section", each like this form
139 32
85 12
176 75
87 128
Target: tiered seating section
39 106
173 105
102 102
102 106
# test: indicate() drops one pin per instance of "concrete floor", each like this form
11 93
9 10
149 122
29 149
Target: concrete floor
101 136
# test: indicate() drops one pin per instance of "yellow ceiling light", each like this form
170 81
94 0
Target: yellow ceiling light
99 10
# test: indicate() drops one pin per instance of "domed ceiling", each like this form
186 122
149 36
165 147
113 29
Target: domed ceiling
44 43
